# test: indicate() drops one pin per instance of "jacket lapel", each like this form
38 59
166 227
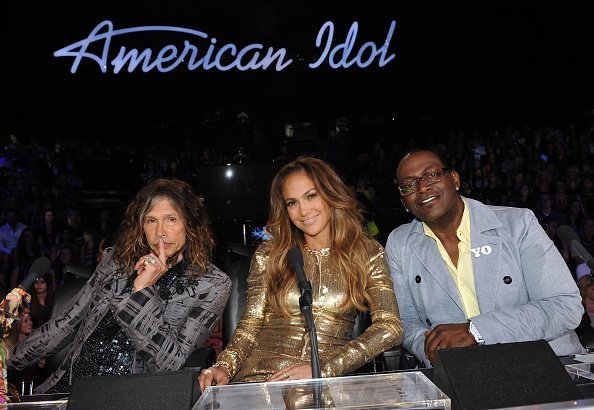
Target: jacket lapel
487 265
425 250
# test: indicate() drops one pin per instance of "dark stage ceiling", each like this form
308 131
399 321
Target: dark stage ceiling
455 63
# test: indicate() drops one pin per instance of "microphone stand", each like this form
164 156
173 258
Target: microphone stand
305 304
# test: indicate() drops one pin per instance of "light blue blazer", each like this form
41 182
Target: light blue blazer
524 288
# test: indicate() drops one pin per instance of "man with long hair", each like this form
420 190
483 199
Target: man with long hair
153 299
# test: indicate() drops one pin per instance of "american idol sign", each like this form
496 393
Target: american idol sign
201 51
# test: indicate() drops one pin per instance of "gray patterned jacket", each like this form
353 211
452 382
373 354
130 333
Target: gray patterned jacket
163 333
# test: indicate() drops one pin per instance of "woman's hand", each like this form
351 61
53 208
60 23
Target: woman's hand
150 268
213 376
293 372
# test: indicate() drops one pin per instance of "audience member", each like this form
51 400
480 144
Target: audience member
48 232
525 198
587 196
42 294
561 199
21 257
66 239
575 214
90 248
545 212
543 182
585 283
74 222
64 258
10 233
25 379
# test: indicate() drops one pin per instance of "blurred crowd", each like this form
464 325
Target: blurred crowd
51 191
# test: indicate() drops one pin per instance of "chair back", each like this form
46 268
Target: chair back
237 267
62 296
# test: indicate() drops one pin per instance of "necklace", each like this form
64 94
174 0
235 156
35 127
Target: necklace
321 251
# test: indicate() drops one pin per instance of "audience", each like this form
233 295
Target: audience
47 232
10 233
25 379
21 257
46 185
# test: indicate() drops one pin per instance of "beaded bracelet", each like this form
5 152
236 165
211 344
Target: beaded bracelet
224 366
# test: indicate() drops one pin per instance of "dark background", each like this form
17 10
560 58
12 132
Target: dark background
458 65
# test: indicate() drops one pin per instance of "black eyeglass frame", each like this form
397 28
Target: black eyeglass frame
424 177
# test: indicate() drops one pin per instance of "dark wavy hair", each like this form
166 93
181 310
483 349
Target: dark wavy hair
131 242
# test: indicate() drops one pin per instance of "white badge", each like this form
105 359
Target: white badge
481 250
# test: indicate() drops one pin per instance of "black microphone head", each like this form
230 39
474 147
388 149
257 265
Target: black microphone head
295 257
567 233
39 267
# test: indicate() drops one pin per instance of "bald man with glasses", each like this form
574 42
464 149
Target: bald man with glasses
467 273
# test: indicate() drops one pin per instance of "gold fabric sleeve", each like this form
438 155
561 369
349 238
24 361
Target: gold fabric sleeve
248 328
385 331
265 341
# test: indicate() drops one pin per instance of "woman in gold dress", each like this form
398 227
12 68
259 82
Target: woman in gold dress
311 208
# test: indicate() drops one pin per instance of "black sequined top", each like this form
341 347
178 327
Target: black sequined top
108 350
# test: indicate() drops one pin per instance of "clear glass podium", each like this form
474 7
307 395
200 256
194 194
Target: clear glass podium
406 390
581 371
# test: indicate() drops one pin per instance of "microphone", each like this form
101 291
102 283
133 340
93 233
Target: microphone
295 259
566 233
39 267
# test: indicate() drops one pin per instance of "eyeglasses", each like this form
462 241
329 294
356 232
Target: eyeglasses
411 185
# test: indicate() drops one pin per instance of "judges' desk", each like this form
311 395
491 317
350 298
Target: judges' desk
405 390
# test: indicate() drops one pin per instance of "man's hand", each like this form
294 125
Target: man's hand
447 335
150 268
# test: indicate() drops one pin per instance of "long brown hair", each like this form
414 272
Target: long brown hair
348 238
131 242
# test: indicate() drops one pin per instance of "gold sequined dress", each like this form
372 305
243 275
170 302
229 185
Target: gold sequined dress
265 341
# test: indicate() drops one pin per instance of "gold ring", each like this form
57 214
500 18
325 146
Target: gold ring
207 371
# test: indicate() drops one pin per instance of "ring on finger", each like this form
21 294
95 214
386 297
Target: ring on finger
150 259
207 371
286 376
437 347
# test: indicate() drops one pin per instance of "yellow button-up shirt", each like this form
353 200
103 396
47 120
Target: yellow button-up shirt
463 274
